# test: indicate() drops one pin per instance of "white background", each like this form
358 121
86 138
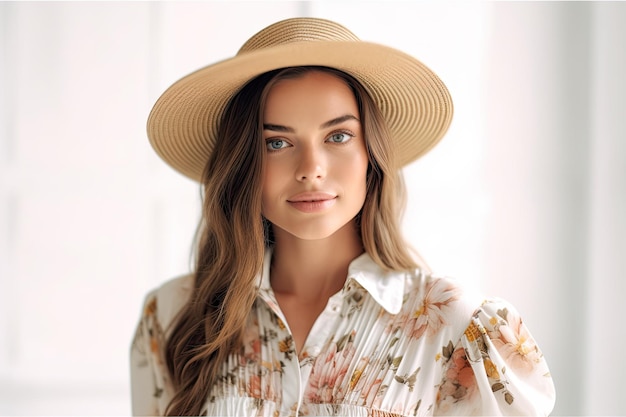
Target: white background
525 198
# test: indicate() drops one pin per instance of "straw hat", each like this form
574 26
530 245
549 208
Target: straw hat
182 126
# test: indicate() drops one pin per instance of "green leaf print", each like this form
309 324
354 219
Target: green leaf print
394 363
503 312
408 380
448 350
497 386
508 397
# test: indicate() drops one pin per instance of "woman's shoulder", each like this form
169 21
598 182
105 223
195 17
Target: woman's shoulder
418 291
444 299
165 301
431 287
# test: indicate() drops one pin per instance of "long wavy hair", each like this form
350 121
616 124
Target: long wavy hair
233 235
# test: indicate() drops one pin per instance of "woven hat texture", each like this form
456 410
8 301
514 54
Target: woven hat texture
182 126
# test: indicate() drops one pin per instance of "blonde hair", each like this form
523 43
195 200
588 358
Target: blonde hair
233 235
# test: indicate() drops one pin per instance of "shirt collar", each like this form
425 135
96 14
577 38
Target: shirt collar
385 287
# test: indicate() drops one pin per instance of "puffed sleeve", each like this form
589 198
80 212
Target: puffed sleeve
144 388
495 368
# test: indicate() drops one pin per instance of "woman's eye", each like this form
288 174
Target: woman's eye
340 137
276 144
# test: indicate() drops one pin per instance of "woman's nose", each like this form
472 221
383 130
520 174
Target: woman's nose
311 165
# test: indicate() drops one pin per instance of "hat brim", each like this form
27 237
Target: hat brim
182 126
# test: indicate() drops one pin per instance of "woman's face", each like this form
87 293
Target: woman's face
316 160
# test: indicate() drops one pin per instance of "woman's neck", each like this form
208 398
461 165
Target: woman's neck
312 269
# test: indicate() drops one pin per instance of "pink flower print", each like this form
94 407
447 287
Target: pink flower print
430 316
319 379
448 388
460 370
466 377
370 394
329 370
254 386
515 343
459 380
252 352
398 324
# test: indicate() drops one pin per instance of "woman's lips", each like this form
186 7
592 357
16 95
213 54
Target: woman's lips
312 202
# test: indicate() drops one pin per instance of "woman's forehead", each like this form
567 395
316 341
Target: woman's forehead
315 94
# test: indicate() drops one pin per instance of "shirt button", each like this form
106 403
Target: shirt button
314 351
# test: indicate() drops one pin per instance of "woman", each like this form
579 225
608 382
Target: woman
304 299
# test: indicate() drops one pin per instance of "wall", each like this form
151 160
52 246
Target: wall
524 198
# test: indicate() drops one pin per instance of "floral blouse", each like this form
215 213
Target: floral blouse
388 344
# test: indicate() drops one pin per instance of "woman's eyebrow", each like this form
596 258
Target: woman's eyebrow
278 128
332 122
338 120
